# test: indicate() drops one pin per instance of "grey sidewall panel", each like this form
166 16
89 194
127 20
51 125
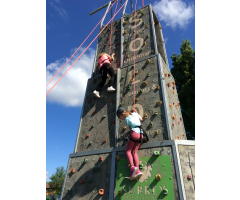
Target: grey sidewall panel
65 179
153 28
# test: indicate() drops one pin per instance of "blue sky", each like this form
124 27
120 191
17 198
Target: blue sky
68 23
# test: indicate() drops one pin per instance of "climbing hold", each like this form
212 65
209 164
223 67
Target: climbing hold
155 113
88 135
173 117
143 23
157 132
105 140
124 50
90 180
173 82
118 63
105 44
152 51
124 22
173 123
165 191
101 159
127 44
136 100
129 87
136 72
109 29
125 31
169 75
113 122
111 100
125 41
69 191
178 103
117 157
128 17
95 168
119 44
170 105
73 170
140 11
158 87
148 75
89 99
82 181
132 80
129 166
173 87
147 36
178 122
180 118
90 143
120 192
132 66
189 177
92 126
94 112
156 153
140 19
104 116
124 127
160 27
165 75
158 177
178 137
183 134
146 115
151 124
144 82
147 26
108 38
101 192
173 91
137 35
140 166
143 13
154 23
148 61
85 160
141 50
175 106
144 43
159 103
168 84
116 30
128 56
121 104
141 91
122 77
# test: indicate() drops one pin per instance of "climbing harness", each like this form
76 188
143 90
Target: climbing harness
143 136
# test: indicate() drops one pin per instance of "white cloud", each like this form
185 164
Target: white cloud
70 90
165 40
63 13
174 12
46 175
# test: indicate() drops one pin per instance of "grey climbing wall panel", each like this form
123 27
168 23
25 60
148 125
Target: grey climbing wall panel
98 118
144 45
166 150
187 160
148 100
160 40
104 44
173 104
94 180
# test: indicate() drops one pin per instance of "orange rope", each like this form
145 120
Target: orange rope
134 54
80 45
83 51
111 29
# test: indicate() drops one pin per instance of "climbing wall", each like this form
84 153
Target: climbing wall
147 187
148 99
86 175
97 129
144 45
173 104
104 44
159 39
187 160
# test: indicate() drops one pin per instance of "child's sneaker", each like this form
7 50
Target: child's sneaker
111 89
138 174
133 172
96 93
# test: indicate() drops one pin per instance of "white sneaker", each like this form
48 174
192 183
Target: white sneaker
111 89
96 93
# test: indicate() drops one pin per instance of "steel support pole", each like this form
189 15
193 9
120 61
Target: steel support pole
124 8
100 8
105 14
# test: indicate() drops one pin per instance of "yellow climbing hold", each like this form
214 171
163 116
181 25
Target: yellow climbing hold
159 103
117 157
146 115
158 177
158 87
144 82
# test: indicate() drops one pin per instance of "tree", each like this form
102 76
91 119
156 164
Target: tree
184 75
56 181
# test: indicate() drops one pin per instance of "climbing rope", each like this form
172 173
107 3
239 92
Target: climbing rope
134 54
111 29
80 45
84 50
143 3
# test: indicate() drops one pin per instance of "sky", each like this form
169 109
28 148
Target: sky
67 26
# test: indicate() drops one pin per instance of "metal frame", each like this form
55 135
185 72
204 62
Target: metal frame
109 4
80 123
186 143
165 102
124 8
153 28
65 179
112 175
101 8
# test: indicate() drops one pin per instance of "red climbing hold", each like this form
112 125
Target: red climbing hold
108 38
113 122
89 99
178 103
189 177
73 171
105 140
178 122
88 135
173 123
180 118
116 30
111 100
119 44
105 44
173 103
82 181
168 84
94 112
173 87
101 159
169 75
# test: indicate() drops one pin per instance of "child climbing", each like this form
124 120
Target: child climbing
104 65
132 120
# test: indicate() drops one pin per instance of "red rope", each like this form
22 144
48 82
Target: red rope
83 51
143 3
134 54
111 29
79 46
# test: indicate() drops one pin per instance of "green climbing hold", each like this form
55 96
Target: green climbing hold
151 124
90 143
109 29
122 76
104 116
155 113
125 41
92 125
85 160
90 180
132 66
156 153
121 104
124 50
143 13
95 168
148 75
141 91
165 191
143 22
147 36
140 166
69 191
129 87
141 49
